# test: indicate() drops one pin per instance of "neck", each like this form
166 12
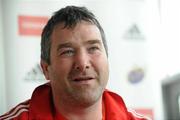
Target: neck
93 112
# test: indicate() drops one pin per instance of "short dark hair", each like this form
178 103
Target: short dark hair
69 16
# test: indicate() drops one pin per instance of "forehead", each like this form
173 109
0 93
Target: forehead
81 31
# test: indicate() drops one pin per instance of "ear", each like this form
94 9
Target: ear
44 66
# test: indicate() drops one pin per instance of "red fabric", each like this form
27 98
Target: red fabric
58 116
40 107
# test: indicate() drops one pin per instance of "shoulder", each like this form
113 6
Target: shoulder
136 116
19 112
118 106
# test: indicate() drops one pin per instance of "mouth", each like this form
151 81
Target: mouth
81 79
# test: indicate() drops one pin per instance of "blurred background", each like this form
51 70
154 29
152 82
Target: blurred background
144 51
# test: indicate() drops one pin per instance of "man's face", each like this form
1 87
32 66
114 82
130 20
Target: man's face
78 72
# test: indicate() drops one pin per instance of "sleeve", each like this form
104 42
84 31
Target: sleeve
20 112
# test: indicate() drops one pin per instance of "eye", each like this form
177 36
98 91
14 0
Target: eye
69 52
93 49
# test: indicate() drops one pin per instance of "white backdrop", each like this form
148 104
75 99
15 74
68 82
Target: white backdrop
129 26
2 66
22 52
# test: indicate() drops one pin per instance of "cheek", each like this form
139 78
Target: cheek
62 68
102 68
101 64
65 66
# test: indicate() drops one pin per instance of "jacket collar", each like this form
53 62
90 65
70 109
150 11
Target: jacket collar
42 107
41 103
115 108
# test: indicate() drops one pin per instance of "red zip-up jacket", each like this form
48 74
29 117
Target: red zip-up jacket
41 107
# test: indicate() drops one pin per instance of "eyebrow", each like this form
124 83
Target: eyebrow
64 45
68 45
96 41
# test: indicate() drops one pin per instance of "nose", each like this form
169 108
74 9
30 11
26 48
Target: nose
82 61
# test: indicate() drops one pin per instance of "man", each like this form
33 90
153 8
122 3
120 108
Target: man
74 60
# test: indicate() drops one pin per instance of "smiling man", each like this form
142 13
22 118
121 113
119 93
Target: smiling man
78 70
74 60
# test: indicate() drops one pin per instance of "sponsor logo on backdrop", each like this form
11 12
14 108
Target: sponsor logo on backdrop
35 74
31 25
133 33
136 75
